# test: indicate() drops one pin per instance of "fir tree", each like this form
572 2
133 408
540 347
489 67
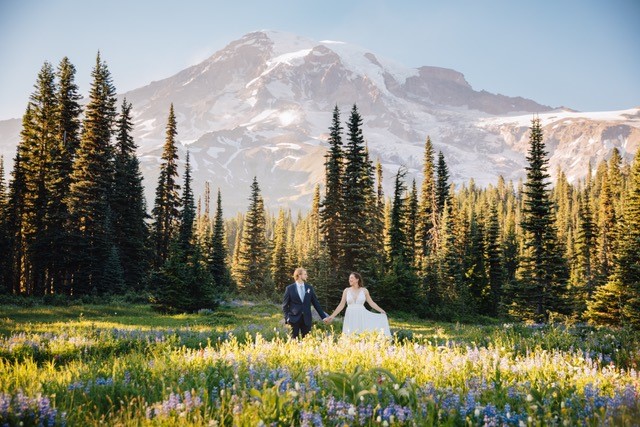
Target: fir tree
618 301
280 268
606 228
63 152
5 246
166 210
399 285
586 255
358 209
332 208
543 277
427 227
16 212
218 261
128 204
412 223
37 146
252 270
188 215
494 260
442 184
91 184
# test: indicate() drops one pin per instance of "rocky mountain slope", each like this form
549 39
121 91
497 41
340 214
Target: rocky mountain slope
262 107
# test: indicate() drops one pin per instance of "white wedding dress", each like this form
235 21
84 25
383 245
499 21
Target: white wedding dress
358 319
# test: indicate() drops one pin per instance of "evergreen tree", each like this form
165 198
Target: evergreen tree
91 184
128 205
606 228
426 229
188 215
280 268
332 208
542 285
63 152
586 255
400 282
442 184
475 267
494 260
252 270
5 246
412 223
16 212
359 201
166 211
218 266
37 144
618 301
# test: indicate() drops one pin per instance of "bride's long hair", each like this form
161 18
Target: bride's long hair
358 278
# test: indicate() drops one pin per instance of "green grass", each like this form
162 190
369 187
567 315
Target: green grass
121 364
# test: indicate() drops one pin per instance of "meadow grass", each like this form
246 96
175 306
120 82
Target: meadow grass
125 364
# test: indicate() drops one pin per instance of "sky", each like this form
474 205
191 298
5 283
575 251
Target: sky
580 54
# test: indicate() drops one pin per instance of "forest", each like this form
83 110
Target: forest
74 223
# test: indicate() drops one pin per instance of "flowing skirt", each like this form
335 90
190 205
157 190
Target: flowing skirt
358 319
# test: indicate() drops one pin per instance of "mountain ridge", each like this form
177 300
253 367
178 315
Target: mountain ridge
262 105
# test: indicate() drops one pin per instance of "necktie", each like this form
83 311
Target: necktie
301 292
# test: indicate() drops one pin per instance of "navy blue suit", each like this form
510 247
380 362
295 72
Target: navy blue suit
297 313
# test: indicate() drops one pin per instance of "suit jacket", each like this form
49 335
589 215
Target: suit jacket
294 309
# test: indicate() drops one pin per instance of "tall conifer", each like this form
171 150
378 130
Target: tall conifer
91 185
218 266
252 271
166 209
128 204
332 208
542 284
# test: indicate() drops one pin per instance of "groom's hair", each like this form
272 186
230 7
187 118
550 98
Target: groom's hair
298 273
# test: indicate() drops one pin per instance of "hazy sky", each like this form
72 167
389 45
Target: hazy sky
583 54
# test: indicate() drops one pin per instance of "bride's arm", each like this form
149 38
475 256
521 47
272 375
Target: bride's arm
340 306
371 303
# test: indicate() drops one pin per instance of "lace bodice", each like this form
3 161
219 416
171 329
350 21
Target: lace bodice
355 297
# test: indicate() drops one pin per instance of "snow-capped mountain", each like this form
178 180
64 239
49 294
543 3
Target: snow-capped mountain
262 107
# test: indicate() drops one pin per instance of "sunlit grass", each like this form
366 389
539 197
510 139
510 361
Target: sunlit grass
128 365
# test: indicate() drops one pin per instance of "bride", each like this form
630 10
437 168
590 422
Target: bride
357 318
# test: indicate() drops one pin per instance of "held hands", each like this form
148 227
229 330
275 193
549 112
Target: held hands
328 319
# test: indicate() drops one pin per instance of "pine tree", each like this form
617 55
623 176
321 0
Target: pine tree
542 284
63 152
586 255
91 185
188 214
359 201
494 260
218 266
252 270
332 208
5 246
280 269
166 211
128 205
442 195
412 223
426 229
618 301
606 228
16 212
400 282
37 144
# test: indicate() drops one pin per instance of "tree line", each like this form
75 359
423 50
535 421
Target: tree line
74 222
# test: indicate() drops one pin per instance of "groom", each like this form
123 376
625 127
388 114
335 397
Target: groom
296 306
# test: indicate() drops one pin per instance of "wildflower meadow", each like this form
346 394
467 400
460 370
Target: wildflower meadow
127 365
